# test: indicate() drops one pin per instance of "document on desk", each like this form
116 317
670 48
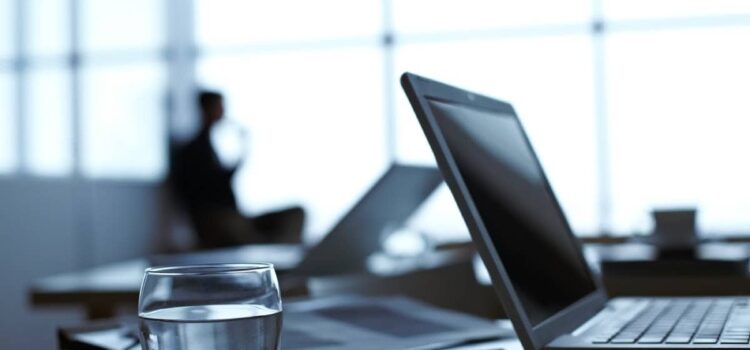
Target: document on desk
351 322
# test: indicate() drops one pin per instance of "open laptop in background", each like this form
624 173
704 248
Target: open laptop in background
384 207
360 232
536 263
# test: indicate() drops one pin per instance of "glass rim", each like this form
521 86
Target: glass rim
207 269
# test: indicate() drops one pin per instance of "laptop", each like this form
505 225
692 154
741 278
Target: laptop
547 289
385 207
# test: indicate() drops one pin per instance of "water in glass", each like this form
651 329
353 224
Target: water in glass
228 327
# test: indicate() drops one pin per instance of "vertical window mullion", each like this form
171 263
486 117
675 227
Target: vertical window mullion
82 190
74 62
598 31
390 83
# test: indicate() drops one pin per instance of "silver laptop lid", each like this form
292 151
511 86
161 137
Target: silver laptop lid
385 207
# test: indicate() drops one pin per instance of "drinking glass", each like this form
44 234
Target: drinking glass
222 306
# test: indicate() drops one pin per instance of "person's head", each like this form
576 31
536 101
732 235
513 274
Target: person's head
212 107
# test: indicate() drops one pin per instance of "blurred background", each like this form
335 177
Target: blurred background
632 105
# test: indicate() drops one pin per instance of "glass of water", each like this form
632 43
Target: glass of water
222 306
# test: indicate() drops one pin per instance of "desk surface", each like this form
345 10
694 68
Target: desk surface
304 321
119 283
102 289
672 283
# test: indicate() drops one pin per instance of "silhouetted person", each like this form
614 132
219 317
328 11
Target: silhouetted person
204 185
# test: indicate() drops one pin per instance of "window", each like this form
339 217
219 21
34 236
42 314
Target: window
122 27
7 29
571 80
8 154
670 9
236 24
309 93
48 124
47 27
47 121
473 18
123 131
677 105
123 88
631 105
307 145
95 109
8 149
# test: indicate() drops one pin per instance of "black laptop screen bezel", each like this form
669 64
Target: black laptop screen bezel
420 90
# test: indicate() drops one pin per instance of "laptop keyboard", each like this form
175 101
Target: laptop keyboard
681 321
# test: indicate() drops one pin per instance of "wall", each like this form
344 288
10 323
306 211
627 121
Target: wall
49 226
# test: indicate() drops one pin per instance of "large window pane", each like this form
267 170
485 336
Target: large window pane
7 28
549 81
8 156
677 104
47 27
116 25
123 126
48 122
438 16
230 22
316 126
658 9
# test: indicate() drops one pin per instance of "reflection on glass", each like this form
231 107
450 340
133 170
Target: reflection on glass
48 27
678 111
7 28
8 157
315 123
123 123
230 22
438 16
661 9
48 122
115 25
549 80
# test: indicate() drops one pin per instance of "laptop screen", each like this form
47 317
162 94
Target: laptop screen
516 206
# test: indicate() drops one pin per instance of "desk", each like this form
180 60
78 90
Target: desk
303 323
672 284
100 290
